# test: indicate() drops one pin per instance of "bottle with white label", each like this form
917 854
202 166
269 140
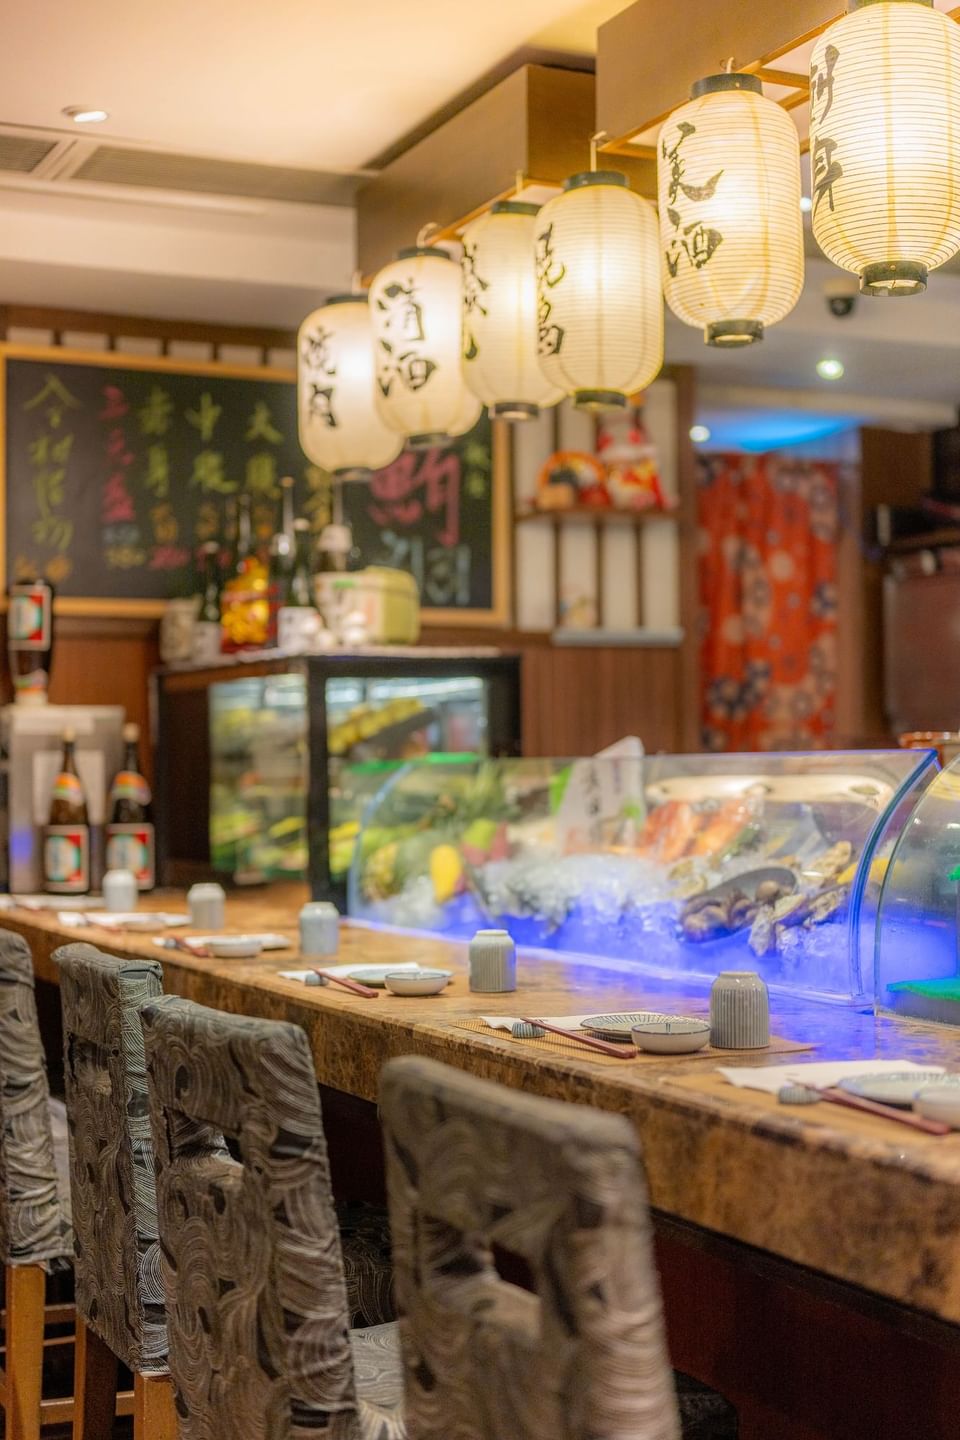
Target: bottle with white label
66 839
130 838
298 619
30 640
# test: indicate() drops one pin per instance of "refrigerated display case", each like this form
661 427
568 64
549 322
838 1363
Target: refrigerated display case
280 756
678 865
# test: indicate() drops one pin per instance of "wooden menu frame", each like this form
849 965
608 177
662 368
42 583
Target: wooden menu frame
497 615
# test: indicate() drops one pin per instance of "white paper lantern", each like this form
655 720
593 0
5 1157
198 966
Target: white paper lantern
731 228
500 313
415 305
340 428
599 300
468 412
885 143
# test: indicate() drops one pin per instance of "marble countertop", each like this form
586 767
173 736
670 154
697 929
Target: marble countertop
859 1198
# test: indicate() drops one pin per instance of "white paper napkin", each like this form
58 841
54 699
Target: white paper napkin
345 971
819 1073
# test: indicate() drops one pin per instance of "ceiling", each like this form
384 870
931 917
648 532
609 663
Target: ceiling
320 86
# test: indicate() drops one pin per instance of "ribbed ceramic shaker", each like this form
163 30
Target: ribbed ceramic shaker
739 1011
493 962
319 930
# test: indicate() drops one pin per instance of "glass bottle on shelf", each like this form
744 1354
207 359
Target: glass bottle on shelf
30 639
130 838
282 551
245 603
206 631
337 556
66 840
298 621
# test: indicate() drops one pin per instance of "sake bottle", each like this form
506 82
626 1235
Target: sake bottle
66 840
130 838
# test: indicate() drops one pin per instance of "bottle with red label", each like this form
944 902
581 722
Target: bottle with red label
30 640
130 840
66 839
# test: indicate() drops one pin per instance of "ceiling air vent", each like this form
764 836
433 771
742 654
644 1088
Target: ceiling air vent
22 153
117 165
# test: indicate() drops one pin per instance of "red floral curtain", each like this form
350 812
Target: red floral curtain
768 593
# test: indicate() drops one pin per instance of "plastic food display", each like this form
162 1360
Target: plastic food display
917 956
680 865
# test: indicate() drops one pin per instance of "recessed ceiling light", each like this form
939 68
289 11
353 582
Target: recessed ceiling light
829 369
699 434
84 114
806 204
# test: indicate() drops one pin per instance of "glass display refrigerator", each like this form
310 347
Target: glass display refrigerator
669 865
265 766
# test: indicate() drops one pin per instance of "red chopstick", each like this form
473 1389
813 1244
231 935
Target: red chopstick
353 985
887 1112
603 1047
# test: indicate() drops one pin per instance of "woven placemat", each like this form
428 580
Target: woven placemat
556 1045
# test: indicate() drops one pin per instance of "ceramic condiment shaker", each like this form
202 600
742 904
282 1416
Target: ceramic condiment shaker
739 1011
119 891
493 962
207 906
319 930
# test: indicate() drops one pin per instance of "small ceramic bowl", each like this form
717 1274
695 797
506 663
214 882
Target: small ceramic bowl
234 947
671 1035
940 1102
419 982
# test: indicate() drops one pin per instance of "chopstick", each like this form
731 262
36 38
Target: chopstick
602 1047
887 1112
353 985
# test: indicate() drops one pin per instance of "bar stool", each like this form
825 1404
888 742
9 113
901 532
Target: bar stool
120 1315
477 1173
35 1233
256 1304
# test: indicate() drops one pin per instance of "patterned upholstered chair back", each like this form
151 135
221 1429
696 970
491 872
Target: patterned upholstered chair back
119 1288
259 1345
579 1350
34 1221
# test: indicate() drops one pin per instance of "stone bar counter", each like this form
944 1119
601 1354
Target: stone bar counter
859 1215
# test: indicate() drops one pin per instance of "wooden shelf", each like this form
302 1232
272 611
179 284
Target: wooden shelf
596 514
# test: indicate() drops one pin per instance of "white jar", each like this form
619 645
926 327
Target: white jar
739 1011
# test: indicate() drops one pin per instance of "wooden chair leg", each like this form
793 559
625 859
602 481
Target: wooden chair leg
154 1410
26 1292
94 1386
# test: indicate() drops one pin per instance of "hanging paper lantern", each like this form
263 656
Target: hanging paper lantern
469 410
731 228
885 143
500 313
340 429
415 305
599 301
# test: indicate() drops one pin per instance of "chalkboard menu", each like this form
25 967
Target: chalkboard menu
438 514
115 470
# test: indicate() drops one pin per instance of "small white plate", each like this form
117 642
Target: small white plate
373 975
422 982
234 947
675 1035
618 1026
897 1087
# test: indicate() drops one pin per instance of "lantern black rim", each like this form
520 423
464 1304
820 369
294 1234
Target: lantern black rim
600 399
895 278
514 410
733 332
351 472
714 84
427 440
596 177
